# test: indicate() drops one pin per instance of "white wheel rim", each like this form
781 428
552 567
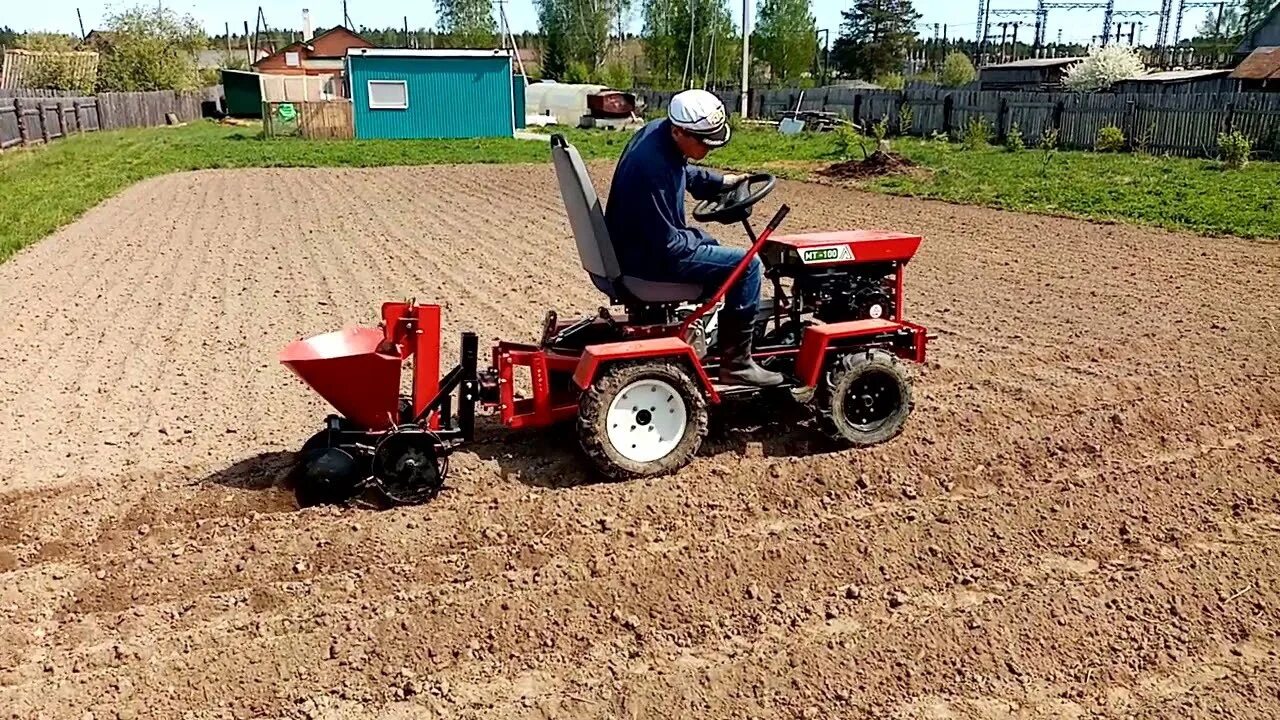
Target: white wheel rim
646 421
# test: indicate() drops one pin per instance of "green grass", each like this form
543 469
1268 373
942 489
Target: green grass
44 188
1175 193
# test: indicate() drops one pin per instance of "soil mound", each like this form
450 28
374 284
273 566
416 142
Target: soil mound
876 164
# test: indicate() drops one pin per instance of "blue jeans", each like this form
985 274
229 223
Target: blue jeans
712 265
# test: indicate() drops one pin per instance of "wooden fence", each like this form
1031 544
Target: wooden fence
314 120
1185 124
33 116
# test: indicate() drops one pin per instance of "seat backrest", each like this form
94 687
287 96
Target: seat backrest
585 215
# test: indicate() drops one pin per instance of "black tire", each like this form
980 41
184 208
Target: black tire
610 385
875 378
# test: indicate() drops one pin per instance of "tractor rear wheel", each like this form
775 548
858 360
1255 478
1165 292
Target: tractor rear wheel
642 420
865 398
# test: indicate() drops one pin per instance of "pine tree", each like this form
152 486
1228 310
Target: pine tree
875 37
785 37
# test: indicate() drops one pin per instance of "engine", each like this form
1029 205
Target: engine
847 292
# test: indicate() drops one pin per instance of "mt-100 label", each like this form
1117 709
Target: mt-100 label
832 253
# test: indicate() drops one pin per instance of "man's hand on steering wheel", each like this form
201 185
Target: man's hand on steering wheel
734 202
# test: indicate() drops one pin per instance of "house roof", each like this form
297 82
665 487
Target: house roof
1250 41
310 44
1034 63
1172 76
1262 64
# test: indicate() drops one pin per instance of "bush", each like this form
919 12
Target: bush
1048 146
906 119
881 128
1110 139
845 138
1103 67
1235 149
576 72
957 70
151 49
891 81
977 133
616 75
1013 141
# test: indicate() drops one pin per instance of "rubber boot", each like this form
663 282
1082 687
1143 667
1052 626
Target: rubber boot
737 367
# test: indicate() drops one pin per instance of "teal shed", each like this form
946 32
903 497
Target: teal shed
400 93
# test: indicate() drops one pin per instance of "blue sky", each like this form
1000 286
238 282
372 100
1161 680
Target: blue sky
959 16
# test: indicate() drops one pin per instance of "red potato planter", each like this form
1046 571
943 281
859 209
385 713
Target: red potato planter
638 384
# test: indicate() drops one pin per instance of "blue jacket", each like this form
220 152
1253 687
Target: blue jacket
645 210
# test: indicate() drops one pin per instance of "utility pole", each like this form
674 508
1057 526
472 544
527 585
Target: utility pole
406 31
248 44
746 53
1013 46
83 35
980 30
227 27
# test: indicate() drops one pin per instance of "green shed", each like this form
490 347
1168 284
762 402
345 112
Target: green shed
243 92
401 93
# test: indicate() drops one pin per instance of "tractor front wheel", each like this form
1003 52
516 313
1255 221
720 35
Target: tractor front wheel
865 398
642 420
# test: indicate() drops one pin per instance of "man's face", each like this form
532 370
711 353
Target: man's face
689 144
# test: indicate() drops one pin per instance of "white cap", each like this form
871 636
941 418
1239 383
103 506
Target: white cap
702 114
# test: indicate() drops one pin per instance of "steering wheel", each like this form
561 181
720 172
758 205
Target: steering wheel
734 204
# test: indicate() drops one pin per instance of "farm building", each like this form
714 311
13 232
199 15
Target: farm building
566 102
1263 35
1026 75
324 54
1177 81
433 93
1260 71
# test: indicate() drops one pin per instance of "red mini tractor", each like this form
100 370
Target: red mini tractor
637 383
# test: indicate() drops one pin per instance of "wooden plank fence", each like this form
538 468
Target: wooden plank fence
1185 124
313 120
35 116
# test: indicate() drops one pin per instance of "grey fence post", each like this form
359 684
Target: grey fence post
22 125
1131 119
44 128
1002 120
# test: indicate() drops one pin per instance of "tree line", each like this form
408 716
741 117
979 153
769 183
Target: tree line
682 43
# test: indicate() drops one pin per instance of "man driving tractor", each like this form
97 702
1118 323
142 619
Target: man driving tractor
646 221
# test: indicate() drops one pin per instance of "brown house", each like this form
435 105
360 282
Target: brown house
321 55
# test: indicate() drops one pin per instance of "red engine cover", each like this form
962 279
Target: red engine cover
841 247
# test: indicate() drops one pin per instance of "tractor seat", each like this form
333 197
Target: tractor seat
595 249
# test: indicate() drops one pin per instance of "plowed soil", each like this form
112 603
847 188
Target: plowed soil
1082 518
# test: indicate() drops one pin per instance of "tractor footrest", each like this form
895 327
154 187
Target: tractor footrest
725 390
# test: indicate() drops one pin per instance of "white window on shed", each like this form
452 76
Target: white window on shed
388 95
291 59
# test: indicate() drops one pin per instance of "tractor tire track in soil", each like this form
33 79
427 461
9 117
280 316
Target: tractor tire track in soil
1081 519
